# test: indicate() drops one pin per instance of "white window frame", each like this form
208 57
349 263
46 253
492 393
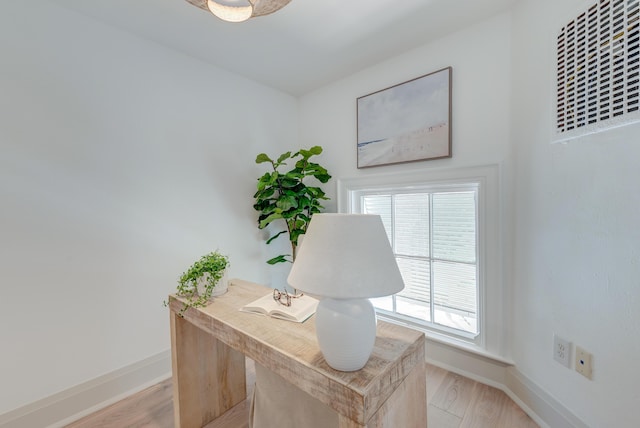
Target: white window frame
491 334
469 186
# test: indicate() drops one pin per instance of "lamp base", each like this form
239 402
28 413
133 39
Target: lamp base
346 331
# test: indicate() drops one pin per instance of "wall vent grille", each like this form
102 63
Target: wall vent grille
598 68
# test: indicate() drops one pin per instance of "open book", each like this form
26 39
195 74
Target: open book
301 308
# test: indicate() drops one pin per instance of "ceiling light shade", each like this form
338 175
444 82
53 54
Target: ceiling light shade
239 10
345 259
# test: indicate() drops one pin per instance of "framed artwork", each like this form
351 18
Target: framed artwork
407 122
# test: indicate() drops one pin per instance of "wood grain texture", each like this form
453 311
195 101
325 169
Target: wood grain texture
454 394
441 419
435 376
208 376
238 416
493 408
486 408
405 407
149 408
291 351
152 408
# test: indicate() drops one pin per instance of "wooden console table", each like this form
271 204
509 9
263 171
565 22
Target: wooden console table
209 346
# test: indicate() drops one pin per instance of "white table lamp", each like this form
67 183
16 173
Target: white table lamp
344 260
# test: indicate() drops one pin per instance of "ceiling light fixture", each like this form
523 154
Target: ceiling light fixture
239 10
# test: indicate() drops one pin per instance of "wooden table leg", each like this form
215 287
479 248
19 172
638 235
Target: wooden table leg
208 376
406 407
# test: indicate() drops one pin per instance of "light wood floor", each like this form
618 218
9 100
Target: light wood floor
454 402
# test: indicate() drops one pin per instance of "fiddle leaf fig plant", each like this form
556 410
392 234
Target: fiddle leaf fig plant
284 195
207 272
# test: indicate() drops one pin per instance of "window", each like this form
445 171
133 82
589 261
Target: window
433 235
598 69
438 224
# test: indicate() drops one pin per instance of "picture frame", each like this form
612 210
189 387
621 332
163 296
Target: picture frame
407 122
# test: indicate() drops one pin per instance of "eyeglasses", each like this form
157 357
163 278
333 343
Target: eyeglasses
283 297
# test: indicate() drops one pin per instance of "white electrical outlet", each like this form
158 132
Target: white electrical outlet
562 350
584 362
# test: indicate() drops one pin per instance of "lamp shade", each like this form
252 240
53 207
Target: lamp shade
346 256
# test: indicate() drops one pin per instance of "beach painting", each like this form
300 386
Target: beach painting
407 122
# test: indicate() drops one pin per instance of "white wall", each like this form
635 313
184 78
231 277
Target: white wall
480 58
577 240
571 250
121 163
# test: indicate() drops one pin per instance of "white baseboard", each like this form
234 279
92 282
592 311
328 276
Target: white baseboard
544 409
528 395
482 368
74 403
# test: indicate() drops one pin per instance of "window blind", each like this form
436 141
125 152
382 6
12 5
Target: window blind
434 238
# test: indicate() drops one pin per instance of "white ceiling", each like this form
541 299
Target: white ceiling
303 46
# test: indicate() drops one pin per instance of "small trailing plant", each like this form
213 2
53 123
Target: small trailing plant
210 267
284 195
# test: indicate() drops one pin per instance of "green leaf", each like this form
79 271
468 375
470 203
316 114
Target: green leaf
315 192
322 178
275 236
278 259
315 169
286 202
296 174
262 158
306 154
263 181
283 157
264 194
290 213
303 201
295 234
316 150
273 177
275 216
289 182
266 210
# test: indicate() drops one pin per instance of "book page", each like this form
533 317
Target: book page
260 306
301 308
